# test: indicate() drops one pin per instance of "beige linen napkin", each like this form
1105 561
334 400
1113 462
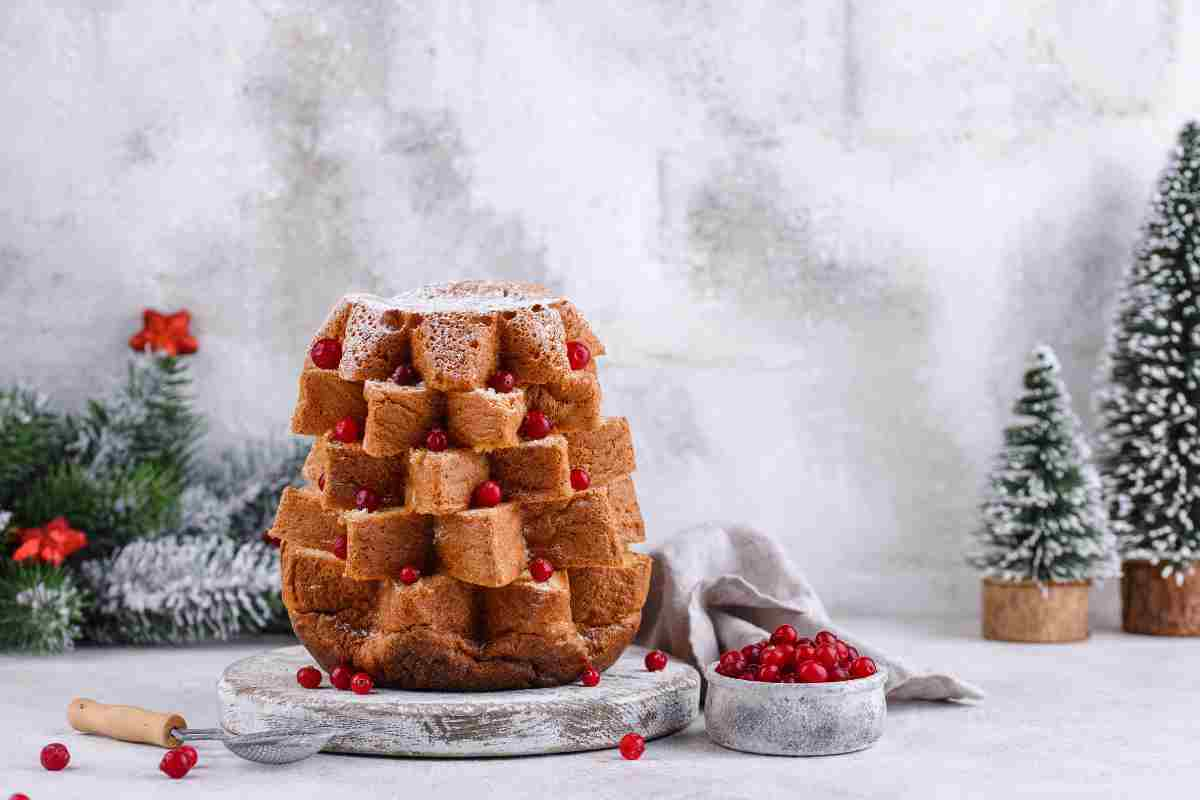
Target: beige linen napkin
718 587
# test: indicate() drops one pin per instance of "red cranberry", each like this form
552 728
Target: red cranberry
590 676
405 375
536 425
190 754
339 547
308 677
18 796
174 764
345 430
771 656
55 756
541 570
341 677
789 678
578 354
811 672
862 667
366 500
409 575
486 495
789 656
804 652
769 673
804 640
321 482
361 683
843 652
580 480
326 353
632 746
271 540
851 654
503 382
839 673
750 653
827 656
436 440
749 674
784 634
733 661
656 660
825 637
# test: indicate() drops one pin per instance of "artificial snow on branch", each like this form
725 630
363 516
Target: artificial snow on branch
183 588
1043 515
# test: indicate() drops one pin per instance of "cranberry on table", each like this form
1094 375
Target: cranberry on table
590 676
580 480
361 683
341 677
536 425
339 547
827 656
308 677
656 660
541 570
18 796
409 575
174 764
405 375
824 637
345 430
769 673
326 353
862 667
190 754
436 440
55 756
811 672
784 634
578 354
632 746
486 495
503 382
366 500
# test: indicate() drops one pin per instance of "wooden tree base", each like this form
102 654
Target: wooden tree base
1022 611
1158 606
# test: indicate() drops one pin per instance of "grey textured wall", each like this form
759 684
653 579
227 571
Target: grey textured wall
819 237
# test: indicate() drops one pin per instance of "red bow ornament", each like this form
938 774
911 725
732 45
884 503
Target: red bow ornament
51 543
165 332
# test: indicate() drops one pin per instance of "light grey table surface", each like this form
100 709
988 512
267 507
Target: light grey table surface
1118 716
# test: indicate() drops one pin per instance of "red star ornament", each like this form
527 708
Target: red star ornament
167 333
51 543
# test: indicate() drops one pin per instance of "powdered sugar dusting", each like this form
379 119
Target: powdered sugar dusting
475 296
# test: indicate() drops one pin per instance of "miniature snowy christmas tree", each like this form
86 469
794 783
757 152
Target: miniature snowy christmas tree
1149 442
1044 534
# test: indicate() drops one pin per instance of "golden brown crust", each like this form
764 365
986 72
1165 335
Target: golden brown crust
399 417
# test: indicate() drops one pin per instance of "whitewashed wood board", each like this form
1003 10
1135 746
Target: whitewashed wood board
260 693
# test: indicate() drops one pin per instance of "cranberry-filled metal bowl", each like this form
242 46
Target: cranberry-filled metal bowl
795 719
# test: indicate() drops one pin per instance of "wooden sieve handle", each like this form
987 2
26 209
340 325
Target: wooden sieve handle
127 723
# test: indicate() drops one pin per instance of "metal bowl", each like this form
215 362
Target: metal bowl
795 719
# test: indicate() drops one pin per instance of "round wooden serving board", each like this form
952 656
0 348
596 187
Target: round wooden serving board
260 693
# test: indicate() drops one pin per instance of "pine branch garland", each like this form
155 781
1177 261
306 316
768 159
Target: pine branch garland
41 608
1150 434
32 439
1043 517
182 589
